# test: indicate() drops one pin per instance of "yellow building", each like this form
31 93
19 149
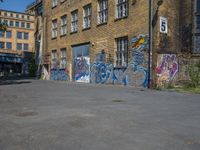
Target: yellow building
17 43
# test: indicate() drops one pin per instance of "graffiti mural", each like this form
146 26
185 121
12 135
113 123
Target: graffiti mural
135 74
82 69
167 68
59 74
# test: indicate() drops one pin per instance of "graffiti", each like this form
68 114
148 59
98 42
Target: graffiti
135 74
82 69
59 74
167 68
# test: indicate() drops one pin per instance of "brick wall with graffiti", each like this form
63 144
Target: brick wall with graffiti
167 68
135 74
59 74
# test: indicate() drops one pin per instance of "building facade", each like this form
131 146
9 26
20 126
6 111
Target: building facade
107 41
16 43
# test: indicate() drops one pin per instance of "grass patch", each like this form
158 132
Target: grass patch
188 89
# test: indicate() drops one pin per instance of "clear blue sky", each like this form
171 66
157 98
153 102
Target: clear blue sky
15 5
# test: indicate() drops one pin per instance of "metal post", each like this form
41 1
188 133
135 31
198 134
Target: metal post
150 43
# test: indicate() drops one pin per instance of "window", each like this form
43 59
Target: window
63 25
28 26
28 17
8 34
5 14
63 62
62 1
2 45
87 16
197 28
54 3
102 11
17 16
1 34
54 28
11 23
26 47
8 45
5 22
22 24
122 8
19 46
54 58
74 25
17 24
19 35
26 35
23 16
122 51
11 15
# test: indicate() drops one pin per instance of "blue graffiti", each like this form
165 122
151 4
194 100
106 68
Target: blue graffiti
59 74
135 74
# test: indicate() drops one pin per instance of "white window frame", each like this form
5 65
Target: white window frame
102 11
122 8
63 56
54 3
54 28
63 24
87 13
74 21
54 58
122 51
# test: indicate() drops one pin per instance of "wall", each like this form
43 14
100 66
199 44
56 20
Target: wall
100 37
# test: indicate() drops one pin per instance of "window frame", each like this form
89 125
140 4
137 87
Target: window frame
54 33
124 10
87 16
74 21
18 45
63 58
102 12
54 3
122 51
63 30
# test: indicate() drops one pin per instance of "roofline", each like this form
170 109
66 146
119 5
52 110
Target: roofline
17 12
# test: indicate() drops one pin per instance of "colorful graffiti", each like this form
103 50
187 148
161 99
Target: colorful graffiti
167 68
59 74
135 74
82 69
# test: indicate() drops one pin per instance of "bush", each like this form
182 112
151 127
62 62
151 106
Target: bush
194 74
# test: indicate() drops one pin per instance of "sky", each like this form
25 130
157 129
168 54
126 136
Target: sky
15 5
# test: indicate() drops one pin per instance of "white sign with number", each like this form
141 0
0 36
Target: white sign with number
163 25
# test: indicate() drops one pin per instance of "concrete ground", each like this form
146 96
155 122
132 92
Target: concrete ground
49 115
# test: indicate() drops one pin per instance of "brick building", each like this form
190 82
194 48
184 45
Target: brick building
16 44
107 41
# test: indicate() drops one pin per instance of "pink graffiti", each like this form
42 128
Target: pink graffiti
168 64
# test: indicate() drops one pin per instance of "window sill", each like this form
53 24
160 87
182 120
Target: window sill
101 24
53 38
63 35
84 29
74 32
125 17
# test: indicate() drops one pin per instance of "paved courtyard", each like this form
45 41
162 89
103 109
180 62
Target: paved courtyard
49 115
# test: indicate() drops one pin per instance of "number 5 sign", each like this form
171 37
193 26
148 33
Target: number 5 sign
163 25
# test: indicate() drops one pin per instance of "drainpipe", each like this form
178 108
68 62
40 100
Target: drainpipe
150 44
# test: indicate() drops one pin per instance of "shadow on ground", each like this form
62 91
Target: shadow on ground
15 80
